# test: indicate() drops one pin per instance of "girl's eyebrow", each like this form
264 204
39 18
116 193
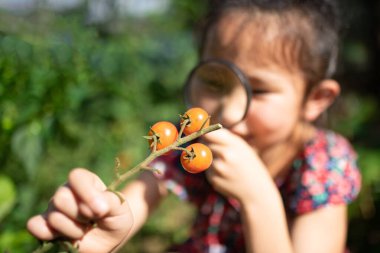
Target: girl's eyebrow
256 81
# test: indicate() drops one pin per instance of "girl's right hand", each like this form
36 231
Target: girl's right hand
237 171
75 207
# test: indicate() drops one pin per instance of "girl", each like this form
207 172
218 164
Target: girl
277 182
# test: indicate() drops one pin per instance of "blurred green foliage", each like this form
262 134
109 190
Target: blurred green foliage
77 94
73 95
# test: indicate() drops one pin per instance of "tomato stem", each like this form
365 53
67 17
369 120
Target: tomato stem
183 125
118 194
151 169
155 140
204 122
183 149
117 167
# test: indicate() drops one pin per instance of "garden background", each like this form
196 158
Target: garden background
81 81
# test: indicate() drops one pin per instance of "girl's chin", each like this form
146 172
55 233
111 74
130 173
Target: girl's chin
278 158
254 146
260 148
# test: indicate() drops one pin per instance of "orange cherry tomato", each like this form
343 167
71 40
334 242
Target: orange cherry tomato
165 132
198 159
197 118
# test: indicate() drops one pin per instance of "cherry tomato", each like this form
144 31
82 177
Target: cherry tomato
198 118
198 159
165 132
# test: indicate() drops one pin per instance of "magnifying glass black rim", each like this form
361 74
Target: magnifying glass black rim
243 79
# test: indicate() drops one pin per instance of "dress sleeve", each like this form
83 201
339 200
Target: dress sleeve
327 175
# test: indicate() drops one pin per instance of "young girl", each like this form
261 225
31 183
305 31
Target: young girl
277 183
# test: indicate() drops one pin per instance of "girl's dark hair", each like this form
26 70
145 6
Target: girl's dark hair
318 43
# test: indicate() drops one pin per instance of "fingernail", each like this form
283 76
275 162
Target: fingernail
99 206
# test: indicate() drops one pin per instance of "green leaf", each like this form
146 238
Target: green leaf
14 241
7 195
27 145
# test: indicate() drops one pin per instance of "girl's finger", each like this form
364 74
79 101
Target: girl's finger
39 227
89 190
210 174
221 136
217 150
218 168
65 201
92 194
65 226
215 178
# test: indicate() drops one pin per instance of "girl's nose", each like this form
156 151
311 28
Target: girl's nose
229 114
240 128
235 124
225 118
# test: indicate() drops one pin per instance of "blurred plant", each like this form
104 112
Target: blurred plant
73 95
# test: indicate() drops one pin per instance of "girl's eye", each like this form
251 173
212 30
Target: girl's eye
214 86
258 91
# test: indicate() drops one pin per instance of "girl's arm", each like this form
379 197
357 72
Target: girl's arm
264 221
323 230
238 172
265 227
143 194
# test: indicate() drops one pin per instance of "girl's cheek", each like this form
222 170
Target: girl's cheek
271 122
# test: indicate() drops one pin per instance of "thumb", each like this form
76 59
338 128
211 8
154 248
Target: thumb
221 136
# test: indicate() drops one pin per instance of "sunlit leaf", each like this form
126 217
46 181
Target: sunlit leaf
7 196
27 146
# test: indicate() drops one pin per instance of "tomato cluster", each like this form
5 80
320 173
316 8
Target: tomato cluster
197 157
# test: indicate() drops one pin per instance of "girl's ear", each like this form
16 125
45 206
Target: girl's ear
320 98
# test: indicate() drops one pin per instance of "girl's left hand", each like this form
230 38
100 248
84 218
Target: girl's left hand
236 171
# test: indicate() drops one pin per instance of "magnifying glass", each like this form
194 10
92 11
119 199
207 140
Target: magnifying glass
220 88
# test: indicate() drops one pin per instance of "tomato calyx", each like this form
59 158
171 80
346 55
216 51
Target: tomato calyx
186 120
190 154
154 138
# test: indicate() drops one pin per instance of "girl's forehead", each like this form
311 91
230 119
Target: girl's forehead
241 27
254 38
237 32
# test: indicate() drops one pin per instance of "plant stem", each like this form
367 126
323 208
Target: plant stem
204 122
45 247
180 141
183 125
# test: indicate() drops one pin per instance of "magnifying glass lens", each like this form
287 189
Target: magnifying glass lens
217 88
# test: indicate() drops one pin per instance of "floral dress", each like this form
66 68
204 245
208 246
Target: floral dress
324 173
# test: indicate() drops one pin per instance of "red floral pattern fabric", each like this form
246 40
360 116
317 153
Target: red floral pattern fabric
324 173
